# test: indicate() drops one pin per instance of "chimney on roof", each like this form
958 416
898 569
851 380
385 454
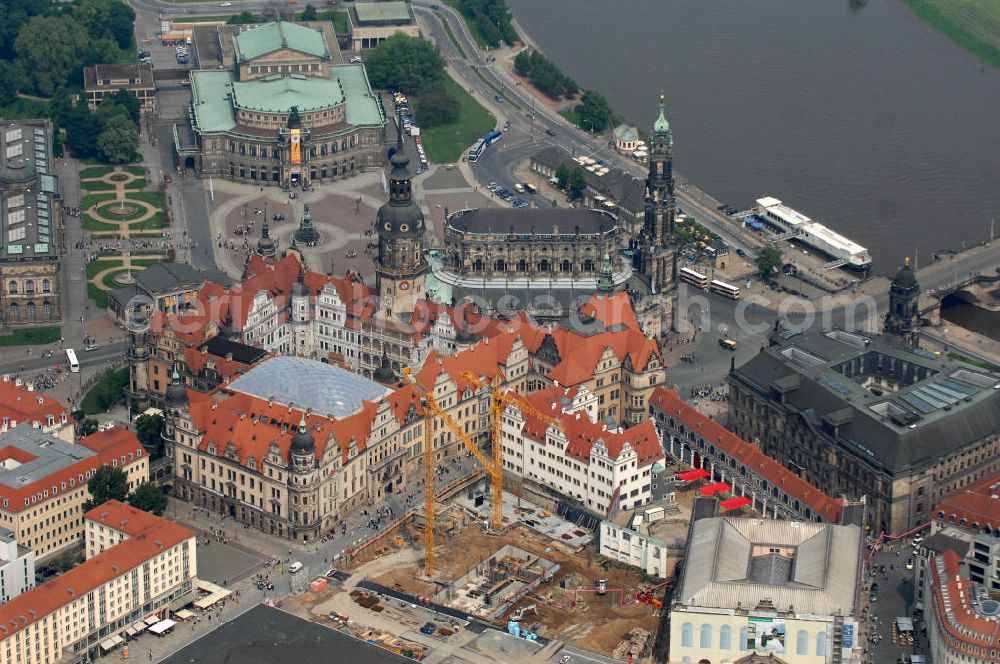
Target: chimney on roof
159 544
215 405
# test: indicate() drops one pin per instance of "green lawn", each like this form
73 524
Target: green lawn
93 199
135 170
102 395
95 267
136 185
99 297
973 24
958 357
92 224
31 336
154 198
571 115
97 185
446 144
95 171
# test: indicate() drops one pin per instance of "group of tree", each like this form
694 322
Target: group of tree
414 66
544 75
149 430
491 18
571 177
110 133
769 261
109 483
594 112
243 18
45 45
405 63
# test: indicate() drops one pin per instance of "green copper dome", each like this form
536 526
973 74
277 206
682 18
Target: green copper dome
661 126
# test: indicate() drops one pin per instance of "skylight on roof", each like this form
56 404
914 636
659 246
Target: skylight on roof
802 357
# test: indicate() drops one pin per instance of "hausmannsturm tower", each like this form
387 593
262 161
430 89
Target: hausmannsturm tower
400 265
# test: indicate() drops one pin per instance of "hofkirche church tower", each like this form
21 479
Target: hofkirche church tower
657 243
400 265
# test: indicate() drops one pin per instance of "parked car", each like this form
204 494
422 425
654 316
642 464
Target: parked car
356 59
550 132
498 99
294 567
873 595
741 253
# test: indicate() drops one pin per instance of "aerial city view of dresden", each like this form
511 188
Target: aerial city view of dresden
500 331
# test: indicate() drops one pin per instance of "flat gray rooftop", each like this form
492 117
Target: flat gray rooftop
28 455
527 221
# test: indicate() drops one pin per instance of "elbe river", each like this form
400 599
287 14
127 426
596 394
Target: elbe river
865 118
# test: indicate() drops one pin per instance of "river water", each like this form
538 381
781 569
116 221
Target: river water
864 118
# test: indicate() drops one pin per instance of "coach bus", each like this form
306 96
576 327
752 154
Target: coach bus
477 150
724 289
694 278
74 364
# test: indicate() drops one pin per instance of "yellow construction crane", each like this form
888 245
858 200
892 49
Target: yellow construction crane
432 409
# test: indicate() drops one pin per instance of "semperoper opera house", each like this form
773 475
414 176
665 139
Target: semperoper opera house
871 416
275 105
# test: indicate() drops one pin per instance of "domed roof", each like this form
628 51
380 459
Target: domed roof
661 126
176 391
384 374
400 220
905 278
302 441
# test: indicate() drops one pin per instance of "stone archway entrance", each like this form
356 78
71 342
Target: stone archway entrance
189 163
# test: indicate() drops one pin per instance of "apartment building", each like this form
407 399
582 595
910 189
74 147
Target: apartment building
79 615
17 567
43 482
555 439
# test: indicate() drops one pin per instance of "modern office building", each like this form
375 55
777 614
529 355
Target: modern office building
762 587
374 22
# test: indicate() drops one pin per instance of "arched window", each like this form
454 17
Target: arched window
543 265
15 311
821 644
29 287
31 310
477 265
46 286
588 265
726 637
522 265
744 635
12 287
566 266
687 635
705 636
47 308
802 642
500 265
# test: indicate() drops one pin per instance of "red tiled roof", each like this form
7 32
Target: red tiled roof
971 630
251 424
123 517
484 359
977 505
35 604
612 309
19 404
110 445
579 355
228 369
748 454
581 433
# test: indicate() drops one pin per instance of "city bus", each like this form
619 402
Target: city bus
724 289
74 364
476 150
694 278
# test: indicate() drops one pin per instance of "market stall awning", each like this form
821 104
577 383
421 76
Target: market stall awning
695 474
151 620
733 503
904 624
162 626
107 645
712 489
183 614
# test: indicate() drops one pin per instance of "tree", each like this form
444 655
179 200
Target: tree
594 112
435 107
49 51
10 81
576 182
308 14
107 484
768 261
242 18
88 427
82 129
148 498
148 429
119 140
562 175
117 102
405 63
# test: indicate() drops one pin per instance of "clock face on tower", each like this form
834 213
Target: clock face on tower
404 285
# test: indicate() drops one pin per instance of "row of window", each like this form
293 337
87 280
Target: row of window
27 286
320 150
30 311
756 639
344 168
